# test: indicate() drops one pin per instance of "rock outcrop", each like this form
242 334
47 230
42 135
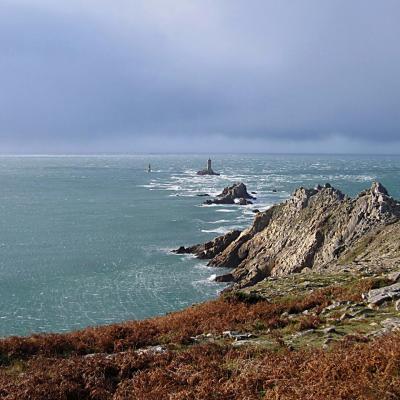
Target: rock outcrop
207 172
210 249
314 229
378 296
235 194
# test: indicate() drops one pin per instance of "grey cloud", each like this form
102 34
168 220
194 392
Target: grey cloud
73 76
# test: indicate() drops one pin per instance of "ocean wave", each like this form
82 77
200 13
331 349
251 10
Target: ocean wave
185 256
221 230
165 250
204 285
210 281
201 266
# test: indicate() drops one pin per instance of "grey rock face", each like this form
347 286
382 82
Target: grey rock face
314 229
210 249
391 323
329 329
207 172
237 335
394 276
376 297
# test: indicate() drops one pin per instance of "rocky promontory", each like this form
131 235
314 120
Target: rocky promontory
210 249
235 194
316 228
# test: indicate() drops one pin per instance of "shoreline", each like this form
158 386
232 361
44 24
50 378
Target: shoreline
273 338
209 262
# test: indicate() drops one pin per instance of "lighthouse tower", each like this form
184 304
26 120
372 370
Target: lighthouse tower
209 169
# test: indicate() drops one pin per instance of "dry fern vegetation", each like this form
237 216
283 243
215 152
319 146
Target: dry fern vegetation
287 353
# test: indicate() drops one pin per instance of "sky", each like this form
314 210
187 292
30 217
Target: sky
126 76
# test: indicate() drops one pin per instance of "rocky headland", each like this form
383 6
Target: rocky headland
315 229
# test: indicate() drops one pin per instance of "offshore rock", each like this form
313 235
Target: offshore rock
235 194
207 172
315 229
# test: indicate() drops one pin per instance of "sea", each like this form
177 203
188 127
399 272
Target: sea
87 240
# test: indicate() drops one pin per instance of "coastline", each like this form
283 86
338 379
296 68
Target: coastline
96 231
276 337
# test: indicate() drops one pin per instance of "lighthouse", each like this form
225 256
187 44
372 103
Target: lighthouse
209 169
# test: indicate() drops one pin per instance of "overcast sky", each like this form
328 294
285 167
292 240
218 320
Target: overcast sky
80 76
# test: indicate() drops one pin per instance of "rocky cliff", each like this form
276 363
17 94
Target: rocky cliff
315 229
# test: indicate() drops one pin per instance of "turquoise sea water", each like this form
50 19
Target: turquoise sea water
86 240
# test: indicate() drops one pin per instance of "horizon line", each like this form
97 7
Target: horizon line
118 154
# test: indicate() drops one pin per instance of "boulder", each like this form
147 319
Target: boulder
394 276
376 297
237 335
224 278
392 324
152 350
329 329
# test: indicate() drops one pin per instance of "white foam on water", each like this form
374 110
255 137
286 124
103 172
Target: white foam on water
249 212
201 266
166 250
183 194
225 210
210 281
221 230
186 256
208 205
